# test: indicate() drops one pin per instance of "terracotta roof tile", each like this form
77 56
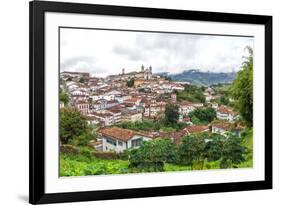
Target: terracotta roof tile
118 133
197 128
223 125
224 109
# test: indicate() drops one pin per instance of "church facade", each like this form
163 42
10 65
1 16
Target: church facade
143 74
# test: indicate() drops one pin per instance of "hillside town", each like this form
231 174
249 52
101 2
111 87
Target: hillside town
135 97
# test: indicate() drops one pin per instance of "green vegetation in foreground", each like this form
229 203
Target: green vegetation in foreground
64 97
242 89
247 136
84 163
80 165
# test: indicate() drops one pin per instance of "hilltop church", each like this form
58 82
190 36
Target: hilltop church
144 74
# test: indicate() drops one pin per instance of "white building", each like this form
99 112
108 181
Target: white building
131 115
118 139
116 112
224 113
105 118
103 104
221 128
186 107
225 127
83 107
121 98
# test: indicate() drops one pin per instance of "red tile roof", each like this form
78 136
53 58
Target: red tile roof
223 125
132 100
224 109
119 133
196 128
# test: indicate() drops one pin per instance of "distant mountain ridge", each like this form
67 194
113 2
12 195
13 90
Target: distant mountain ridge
198 77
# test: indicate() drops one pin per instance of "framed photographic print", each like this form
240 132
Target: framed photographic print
139 102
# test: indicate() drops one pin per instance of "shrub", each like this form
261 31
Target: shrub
86 151
191 150
171 114
152 155
106 155
214 147
233 152
74 128
147 166
69 149
204 115
125 154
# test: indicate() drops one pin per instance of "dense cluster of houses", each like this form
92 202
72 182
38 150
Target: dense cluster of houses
107 101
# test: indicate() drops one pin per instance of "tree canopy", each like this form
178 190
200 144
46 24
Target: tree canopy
74 128
64 97
152 155
131 82
242 89
171 114
202 115
191 150
213 148
232 152
192 93
82 80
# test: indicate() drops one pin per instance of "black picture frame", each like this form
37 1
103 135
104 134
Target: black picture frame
37 10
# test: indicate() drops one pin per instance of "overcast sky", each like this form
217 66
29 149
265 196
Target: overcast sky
103 52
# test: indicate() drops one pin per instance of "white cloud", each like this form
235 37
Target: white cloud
104 52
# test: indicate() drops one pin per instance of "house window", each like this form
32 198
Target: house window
136 142
120 143
111 141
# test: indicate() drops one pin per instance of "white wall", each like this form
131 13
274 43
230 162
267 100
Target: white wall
14 121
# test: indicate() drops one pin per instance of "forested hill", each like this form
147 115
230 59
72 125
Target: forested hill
203 78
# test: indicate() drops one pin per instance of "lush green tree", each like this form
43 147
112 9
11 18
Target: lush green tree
150 125
180 126
242 89
84 138
214 146
171 114
74 128
232 152
191 150
145 125
64 97
192 93
204 115
131 82
152 155
247 142
82 80
195 120
223 100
